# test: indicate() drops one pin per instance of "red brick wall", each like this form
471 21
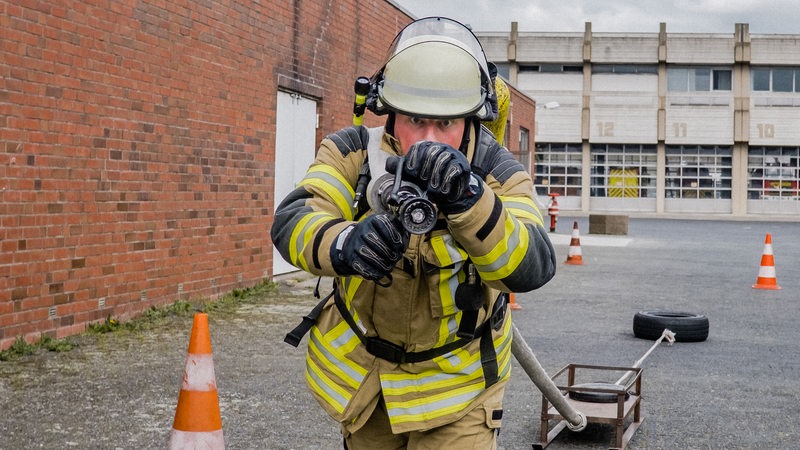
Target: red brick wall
522 114
137 144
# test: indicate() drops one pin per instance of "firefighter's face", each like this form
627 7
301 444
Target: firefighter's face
410 130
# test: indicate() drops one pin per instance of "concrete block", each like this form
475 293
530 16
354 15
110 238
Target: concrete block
608 224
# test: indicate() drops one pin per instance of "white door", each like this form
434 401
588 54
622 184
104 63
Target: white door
295 143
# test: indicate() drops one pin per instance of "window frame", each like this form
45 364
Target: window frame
682 79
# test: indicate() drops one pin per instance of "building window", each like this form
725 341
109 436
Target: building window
776 79
760 79
558 169
625 68
550 68
524 148
694 171
782 80
773 173
722 80
528 67
698 79
503 69
623 170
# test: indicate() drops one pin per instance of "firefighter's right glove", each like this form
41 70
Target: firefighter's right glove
443 172
370 248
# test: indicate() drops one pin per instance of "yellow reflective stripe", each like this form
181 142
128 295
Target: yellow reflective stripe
333 357
434 406
343 338
448 276
455 368
448 327
351 285
523 208
326 388
455 360
333 184
430 380
502 346
504 258
302 237
408 397
446 250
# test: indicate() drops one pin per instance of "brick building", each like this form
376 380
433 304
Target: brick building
138 144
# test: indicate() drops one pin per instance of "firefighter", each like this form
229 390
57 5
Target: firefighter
413 347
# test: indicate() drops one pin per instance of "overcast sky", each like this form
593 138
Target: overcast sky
693 16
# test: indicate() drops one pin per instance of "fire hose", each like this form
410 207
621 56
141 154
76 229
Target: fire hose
576 420
668 335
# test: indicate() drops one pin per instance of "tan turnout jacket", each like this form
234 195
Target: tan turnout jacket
503 235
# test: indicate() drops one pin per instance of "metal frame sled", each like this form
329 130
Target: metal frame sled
599 404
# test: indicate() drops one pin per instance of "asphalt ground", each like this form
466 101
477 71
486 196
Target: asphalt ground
739 389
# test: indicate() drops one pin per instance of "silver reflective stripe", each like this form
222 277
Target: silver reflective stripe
322 384
300 243
510 203
418 383
344 339
428 408
452 329
331 181
330 359
502 260
452 250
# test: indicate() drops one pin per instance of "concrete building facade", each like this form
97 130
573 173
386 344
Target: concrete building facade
662 123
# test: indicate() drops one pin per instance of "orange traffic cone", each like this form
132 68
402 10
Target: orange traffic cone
766 273
574 256
197 420
513 302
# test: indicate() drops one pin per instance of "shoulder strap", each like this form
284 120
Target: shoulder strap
295 336
376 157
373 138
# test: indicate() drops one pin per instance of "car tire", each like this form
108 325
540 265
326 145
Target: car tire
593 396
688 327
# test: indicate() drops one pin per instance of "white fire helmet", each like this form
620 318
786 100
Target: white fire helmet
436 68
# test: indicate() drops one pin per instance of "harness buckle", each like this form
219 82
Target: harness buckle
385 350
499 311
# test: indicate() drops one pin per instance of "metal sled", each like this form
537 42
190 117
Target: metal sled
614 404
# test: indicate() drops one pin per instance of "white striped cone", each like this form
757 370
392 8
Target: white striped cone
197 421
766 272
574 256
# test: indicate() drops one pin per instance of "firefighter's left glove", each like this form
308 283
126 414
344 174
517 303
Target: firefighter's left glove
370 248
443 172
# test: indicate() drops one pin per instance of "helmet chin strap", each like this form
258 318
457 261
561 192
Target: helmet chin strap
389 126
469 124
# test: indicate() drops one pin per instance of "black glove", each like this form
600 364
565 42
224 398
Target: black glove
443 172
370 248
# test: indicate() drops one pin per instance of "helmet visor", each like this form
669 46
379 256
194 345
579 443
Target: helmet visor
440 29
435 68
